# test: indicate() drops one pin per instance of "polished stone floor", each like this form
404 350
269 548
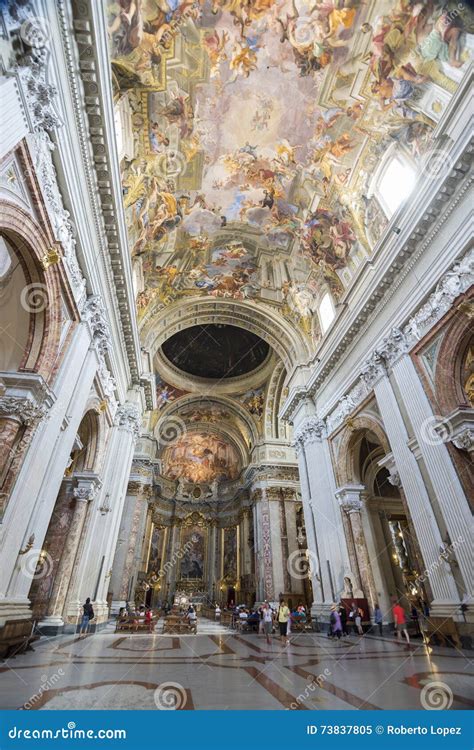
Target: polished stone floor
219 669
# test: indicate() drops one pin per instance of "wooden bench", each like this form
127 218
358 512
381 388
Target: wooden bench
136 624
300 625
445 630
179 624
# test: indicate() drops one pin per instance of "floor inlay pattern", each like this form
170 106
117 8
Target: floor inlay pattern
223 670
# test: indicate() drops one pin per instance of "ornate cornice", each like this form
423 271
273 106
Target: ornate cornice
87 486
94 126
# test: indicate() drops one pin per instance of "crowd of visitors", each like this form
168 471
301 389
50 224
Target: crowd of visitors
266 618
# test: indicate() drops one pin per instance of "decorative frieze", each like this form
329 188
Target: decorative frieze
456 281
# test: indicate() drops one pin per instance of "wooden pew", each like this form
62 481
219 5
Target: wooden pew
445 630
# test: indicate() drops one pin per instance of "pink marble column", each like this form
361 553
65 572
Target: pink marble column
351 503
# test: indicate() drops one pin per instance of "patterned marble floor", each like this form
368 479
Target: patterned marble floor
219 669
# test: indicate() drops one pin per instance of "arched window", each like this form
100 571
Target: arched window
326 312
394 180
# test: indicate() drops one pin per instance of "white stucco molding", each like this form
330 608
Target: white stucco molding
25 397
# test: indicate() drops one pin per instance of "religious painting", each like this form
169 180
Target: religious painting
213 414
230 553
166 393
253 400
154 557
193 547
200 457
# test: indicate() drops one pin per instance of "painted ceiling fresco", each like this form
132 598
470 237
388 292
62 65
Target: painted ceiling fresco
251 134
200 457
257 126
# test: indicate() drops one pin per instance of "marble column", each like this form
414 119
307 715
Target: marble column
324 526
128 553
350 500
87 486
94 561
443 587
444 479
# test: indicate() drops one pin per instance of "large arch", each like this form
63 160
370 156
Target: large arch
285 339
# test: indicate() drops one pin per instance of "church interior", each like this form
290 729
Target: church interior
236 354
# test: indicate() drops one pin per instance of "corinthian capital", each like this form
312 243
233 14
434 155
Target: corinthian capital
373 369
350 497
94 313
128 418
394 346
310 430
87 486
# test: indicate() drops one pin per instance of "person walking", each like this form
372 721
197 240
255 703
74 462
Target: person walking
268 622
283 617
400 622
87 616
378 619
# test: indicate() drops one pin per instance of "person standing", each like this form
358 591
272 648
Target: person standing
268 622
335 621
378 619
261 619
400 622
87 616
283 617
343 616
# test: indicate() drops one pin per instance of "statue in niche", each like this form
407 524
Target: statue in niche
348 592
213 488
181 492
